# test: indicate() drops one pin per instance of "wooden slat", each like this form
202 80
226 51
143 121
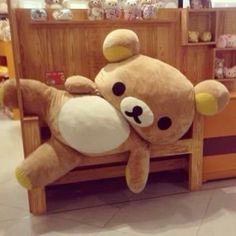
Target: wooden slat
219 166
178 148
31 138
195 161
222 124
117 171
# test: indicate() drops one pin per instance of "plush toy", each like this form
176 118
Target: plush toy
226 41
205 37
219 68
3 7
5 31
196 4
132 10
143 101
112 9
62 14
206 4
95 10
230 72
57 4
148 9
38 14
193 36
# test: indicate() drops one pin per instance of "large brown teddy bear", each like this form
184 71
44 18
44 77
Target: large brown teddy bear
133 102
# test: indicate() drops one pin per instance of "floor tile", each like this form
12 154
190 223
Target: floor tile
175 215
48 225
220 218
13 195
9 213
97 216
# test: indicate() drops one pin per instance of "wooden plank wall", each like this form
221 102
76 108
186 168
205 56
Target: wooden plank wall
76 47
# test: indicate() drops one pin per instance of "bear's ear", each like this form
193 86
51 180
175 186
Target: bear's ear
120 44
211 97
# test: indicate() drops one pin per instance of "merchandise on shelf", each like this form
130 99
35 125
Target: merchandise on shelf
95 10
3 7
5 33
226 41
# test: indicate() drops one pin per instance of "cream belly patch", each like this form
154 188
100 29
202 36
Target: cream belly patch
90 124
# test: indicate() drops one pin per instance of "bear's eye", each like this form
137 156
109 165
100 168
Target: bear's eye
118 89
164 123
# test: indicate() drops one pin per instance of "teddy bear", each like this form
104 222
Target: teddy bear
148 9
5 31
219 68
230 72
193 36
196 4
132 10
112 9
95 10
133 102
62 14
57 4
205 36
226 41
3 7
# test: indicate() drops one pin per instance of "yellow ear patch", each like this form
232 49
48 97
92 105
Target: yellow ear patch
22 178
117 53
206 104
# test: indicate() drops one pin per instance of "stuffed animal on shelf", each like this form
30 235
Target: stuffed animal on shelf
148 8
112 9
38 14
62 14
95 10
5 31
226 41
3 7
193 36
206 4
219 68
196 4
143 101
205 37
132 10
57 4
230 72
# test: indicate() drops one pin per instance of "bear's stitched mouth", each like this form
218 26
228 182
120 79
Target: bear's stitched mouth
137 111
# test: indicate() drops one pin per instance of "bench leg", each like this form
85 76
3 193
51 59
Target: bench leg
196 157
37 201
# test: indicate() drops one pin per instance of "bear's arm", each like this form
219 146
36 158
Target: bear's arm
77 84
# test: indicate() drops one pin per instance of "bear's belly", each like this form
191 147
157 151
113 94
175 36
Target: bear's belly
89 124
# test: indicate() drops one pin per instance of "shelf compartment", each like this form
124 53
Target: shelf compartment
204 20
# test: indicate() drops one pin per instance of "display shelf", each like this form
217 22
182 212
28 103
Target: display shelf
101 22
202 20
229 57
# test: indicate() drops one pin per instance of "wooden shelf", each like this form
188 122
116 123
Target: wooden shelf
199 20
200 44
4 15
227 80
224 49
102 22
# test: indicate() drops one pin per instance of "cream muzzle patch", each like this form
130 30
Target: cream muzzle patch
137 112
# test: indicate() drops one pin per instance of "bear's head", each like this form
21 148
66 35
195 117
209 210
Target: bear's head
157 99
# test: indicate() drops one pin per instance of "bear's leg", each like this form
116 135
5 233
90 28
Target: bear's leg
137 168
46 164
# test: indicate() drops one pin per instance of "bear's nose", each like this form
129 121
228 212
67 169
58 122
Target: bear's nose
136 111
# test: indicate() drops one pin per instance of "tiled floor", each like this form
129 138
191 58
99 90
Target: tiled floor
107 208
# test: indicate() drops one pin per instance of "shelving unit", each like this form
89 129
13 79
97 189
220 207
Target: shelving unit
229 56
202 20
